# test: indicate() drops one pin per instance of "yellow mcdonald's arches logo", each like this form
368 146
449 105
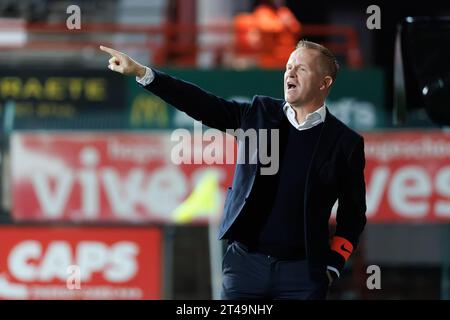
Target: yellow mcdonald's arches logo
149 110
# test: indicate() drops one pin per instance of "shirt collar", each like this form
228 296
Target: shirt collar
322 111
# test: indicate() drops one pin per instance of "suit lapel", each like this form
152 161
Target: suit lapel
325 143
275 121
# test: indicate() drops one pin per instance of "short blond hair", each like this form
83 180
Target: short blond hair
330 65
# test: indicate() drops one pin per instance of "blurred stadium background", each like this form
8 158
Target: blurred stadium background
85 153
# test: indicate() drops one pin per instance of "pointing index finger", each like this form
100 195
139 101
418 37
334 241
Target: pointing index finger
111 51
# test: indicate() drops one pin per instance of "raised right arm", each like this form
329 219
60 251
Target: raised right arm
213 111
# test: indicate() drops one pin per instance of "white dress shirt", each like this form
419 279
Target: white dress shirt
147 78
312 119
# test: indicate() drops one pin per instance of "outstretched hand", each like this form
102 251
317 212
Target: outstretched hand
122 63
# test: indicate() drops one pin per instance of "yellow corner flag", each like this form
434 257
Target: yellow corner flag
202 202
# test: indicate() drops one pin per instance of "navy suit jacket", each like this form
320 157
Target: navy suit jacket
336 171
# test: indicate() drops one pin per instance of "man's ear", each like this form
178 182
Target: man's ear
326 83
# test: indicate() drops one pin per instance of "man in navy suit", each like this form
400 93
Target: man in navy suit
277 226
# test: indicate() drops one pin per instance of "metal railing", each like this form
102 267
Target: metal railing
165 41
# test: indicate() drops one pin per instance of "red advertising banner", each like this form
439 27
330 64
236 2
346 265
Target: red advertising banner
54 263
408 176
109 177
132 177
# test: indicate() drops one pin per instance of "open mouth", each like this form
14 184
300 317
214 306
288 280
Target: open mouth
291 86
